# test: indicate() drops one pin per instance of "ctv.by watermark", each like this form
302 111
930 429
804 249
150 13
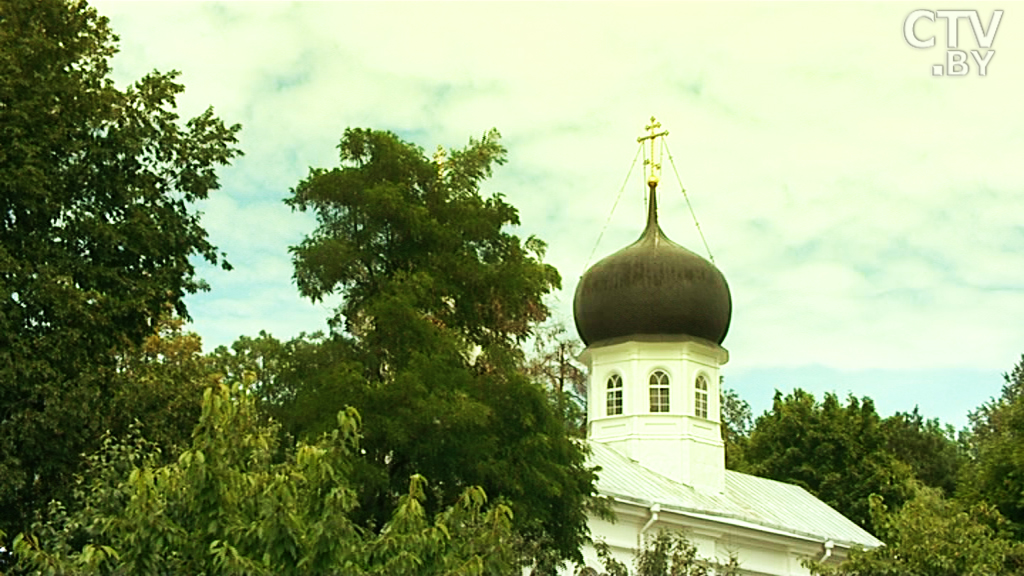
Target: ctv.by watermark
956 63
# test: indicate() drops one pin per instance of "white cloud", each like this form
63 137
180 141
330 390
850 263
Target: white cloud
865 213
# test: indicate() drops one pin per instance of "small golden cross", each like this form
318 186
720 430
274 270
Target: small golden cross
654 134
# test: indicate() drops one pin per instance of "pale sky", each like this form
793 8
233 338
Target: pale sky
868 216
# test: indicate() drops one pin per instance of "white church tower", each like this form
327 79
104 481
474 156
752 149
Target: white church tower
653 316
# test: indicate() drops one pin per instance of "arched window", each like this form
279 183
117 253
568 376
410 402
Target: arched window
614 395
659 391
700 397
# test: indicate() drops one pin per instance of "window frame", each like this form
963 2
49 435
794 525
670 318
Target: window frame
702 396
616 393
658 385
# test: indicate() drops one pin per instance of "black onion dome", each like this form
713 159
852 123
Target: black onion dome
653 286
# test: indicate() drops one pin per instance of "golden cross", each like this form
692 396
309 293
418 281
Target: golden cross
653 134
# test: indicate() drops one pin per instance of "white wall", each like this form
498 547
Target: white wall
678 444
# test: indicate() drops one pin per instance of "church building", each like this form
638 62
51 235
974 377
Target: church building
653 317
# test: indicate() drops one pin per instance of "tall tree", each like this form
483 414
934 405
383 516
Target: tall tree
737 422
995 443
837 452
300 382
438 297
396 228
930 449
97 235
159 386
553 363
272 369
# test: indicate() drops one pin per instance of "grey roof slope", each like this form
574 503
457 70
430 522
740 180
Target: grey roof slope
747 501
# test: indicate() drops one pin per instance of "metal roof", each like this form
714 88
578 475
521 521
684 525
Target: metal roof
747 501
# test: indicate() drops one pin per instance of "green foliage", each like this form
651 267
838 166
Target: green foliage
230 504
397 229
671 554
995 443
663 554
612 567
160 386
436 417
737 421
273 370
855 461
931 450
934 536
438 298
96 235
839 453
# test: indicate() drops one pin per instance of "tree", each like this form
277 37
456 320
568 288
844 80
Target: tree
158 386
397 228
931 450
934 536
274 371
737 421
995 444
438 298
666 553
230 505
97 235
433 419
553 363
300 383
836 452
